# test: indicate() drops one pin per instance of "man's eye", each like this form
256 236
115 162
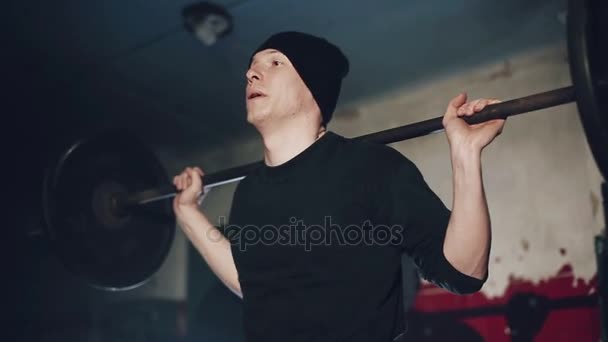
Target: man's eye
276 63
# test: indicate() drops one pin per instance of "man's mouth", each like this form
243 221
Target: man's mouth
255 95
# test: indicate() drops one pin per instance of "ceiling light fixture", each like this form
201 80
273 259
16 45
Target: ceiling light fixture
207 21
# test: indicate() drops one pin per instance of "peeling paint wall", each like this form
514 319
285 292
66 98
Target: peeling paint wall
542 185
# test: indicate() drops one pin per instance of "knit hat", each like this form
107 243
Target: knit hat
320 64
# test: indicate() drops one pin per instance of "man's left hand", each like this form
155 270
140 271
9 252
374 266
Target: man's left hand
462 135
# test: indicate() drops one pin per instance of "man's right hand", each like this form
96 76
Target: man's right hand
189 185
206 238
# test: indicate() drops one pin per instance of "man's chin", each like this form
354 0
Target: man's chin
256 117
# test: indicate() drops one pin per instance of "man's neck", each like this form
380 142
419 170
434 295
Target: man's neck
281 145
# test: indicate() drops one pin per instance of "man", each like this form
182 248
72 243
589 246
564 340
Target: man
317 231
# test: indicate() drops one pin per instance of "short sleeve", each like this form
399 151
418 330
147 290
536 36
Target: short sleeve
422 218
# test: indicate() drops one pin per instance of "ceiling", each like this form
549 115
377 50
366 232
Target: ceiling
96 64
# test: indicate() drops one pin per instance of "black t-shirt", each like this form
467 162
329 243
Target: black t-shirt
317 243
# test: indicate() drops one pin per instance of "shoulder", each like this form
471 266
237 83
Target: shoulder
383 158
249 181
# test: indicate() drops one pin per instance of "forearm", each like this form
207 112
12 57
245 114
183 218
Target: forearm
212 245
468 237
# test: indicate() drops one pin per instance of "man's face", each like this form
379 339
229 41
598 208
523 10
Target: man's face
274 89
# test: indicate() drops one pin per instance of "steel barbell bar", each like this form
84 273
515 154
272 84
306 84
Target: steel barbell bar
501 110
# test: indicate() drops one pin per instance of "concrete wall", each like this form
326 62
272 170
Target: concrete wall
541 182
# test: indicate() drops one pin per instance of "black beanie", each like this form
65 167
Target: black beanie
320 64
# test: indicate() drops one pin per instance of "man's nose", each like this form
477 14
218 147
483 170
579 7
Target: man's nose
252 74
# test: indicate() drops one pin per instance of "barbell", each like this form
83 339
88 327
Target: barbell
104 196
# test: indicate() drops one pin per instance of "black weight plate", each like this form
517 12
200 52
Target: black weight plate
588 53
109 251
